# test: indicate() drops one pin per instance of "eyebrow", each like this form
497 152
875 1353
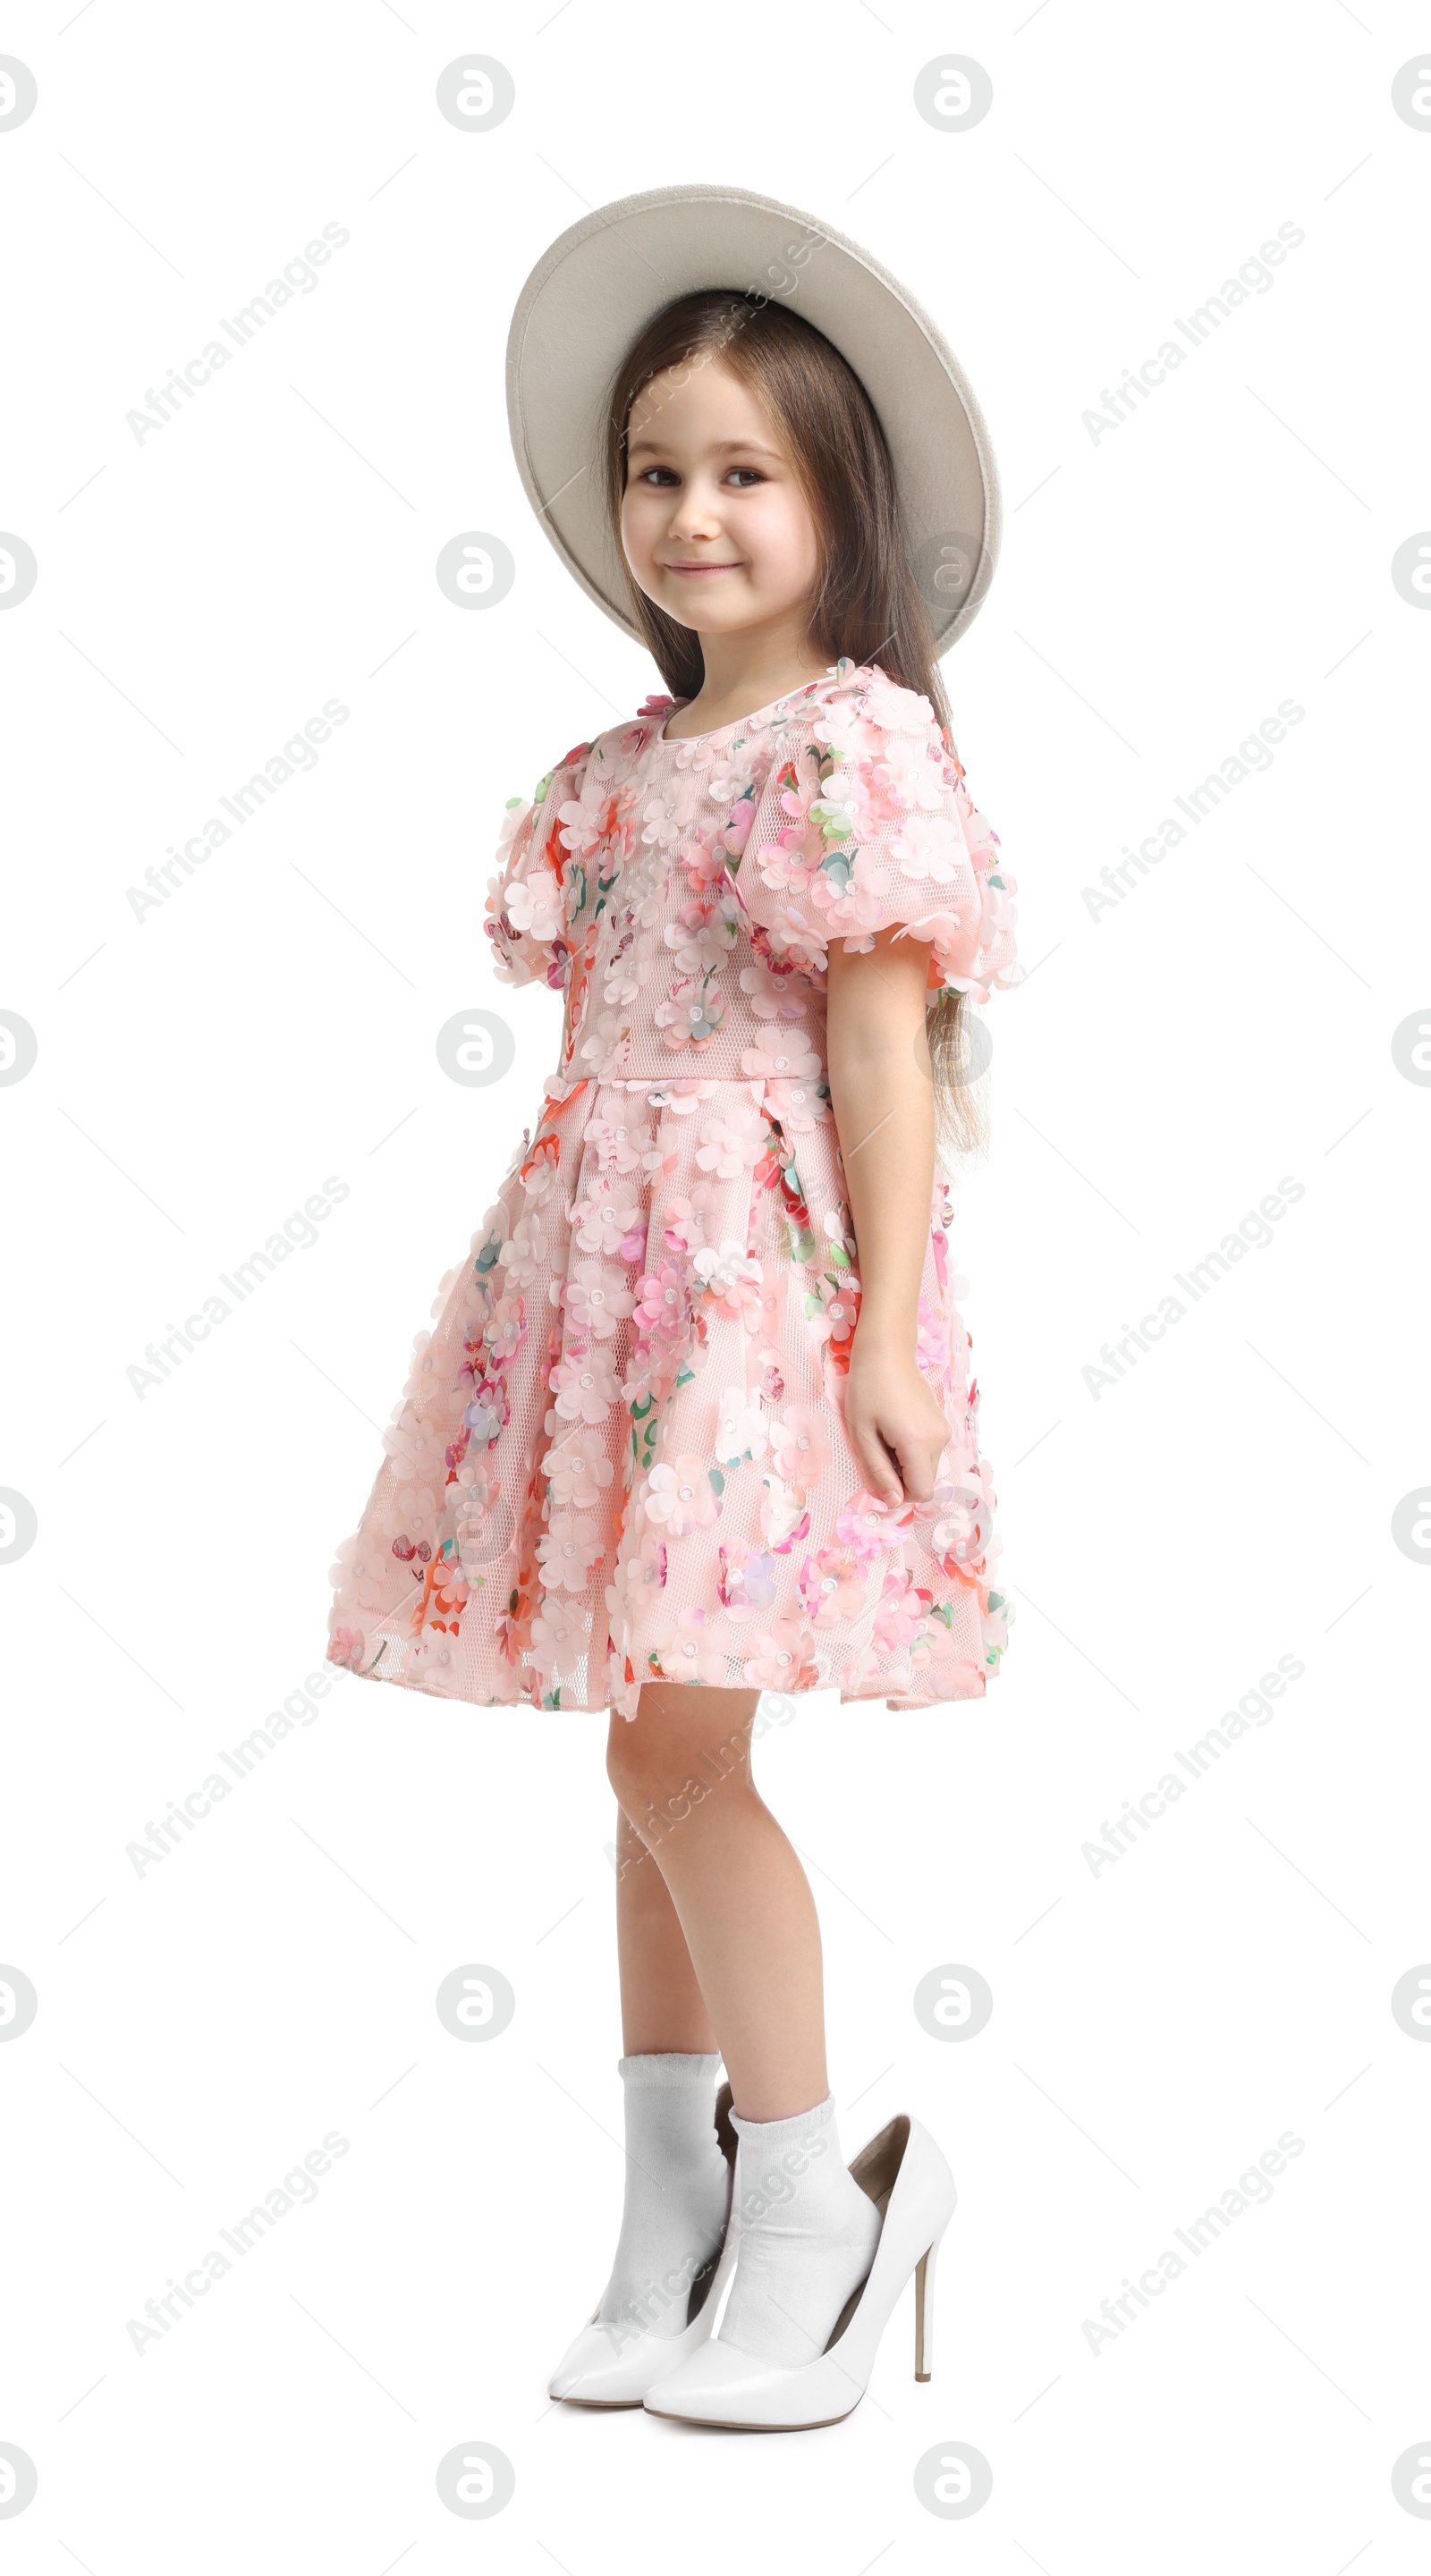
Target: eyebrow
722 447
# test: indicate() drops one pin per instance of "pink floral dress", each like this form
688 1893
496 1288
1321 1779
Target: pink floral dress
621 1455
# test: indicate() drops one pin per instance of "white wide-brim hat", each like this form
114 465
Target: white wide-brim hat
600 284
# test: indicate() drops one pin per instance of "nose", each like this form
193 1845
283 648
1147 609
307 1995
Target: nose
693 515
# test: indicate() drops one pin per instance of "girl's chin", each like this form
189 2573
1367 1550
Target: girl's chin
716 608
707 590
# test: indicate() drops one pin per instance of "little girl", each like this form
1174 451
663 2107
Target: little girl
695 1422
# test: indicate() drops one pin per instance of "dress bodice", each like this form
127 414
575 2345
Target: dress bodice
683 893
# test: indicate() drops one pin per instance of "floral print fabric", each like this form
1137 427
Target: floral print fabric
620 1456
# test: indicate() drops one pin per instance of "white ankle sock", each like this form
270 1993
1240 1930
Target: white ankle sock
677 2188
807 2236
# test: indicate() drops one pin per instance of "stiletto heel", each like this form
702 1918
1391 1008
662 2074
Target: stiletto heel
924 2309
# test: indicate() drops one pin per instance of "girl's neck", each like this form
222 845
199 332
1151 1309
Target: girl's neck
743 672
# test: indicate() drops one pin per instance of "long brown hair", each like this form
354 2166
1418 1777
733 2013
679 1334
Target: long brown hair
865 601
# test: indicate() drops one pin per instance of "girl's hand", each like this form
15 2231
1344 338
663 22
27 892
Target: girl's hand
895 1421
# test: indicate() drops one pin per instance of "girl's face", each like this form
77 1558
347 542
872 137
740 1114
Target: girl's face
714 524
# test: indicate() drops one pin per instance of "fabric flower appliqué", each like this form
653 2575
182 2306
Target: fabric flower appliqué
680 1497
782 1657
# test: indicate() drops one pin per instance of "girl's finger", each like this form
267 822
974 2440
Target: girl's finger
880 1468
893 1471
919 1473
912 1461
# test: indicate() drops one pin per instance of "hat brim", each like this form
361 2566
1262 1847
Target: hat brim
601 282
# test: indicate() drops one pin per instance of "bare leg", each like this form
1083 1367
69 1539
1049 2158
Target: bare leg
662 2006
681 1772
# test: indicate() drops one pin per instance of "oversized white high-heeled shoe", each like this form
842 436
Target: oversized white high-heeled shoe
909 2182
614 2365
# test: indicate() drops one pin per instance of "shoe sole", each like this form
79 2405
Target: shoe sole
600 2405
724 2424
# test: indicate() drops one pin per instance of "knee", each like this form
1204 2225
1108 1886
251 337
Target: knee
647 1767
656 1768
680 1745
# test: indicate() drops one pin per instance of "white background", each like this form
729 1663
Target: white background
1227 1502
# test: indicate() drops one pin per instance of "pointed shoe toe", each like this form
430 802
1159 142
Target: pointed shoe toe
596 2372
605 2367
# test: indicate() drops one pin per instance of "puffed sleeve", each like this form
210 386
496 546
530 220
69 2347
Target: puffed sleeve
529 899
869 826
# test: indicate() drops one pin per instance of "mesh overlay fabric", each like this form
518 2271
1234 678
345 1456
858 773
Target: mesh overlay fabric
620 1455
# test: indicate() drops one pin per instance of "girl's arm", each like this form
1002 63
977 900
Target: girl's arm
882 1094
